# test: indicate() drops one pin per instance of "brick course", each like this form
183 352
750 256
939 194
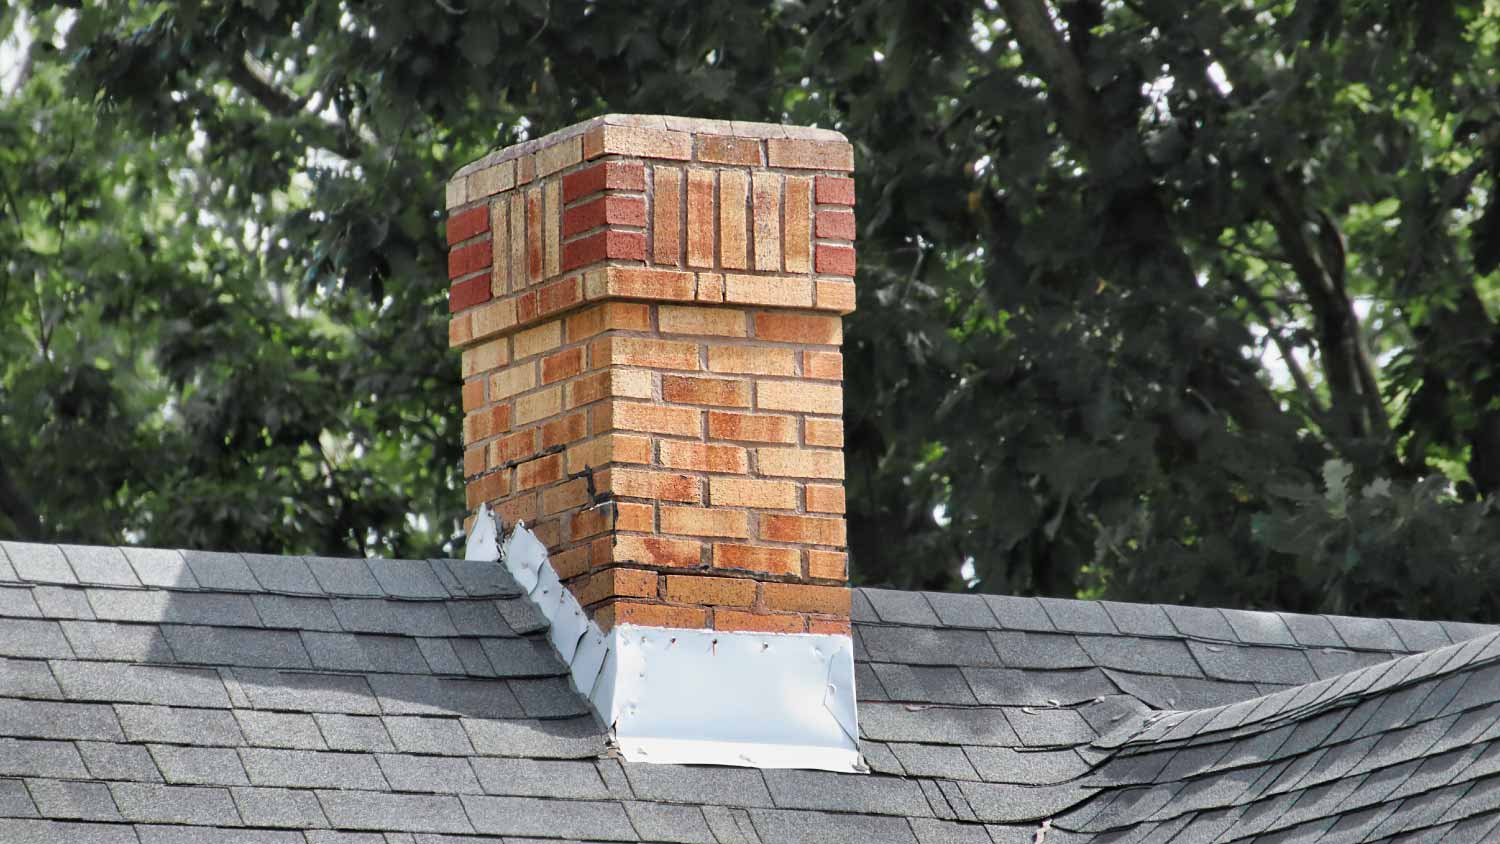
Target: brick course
650 327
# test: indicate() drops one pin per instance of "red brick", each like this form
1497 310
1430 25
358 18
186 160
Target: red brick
753 427
607 244
834 190
514 448
488 488
836 224
483 424
809 529
756 622
473 393
801 597
592 522
559 295
469 258
566 496
610 209
757 558
467 224
517 508
658 551
564 364
666 216
475 461
833 259
799 328
543 470
651 615
565 430
534 249
828 626
697 521
710 591
704 457
608 175
721 392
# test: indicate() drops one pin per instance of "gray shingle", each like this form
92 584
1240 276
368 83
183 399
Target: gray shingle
1313 631
220 571
1259 628
215 835
405 694
1420 635
24 758
407 578
38 563
291 612
1253 663
576 780
792 789
343 577
603 821
187 804
110 761
279 807
1018 649
28 831
1139 619
35 638
1180 692
572 738
479 578
63 602
435 774
681 784
933 760
279 729
551 697
527 657
925 684
923 646
1330 662
199 765
1012 803
900 607
1016 613
173 607
276 573
17 602
365 652
15 801
406 812
319 836
354 732
27 678
99 564
1071 616
54 719
211 727
1005 765
521 616
312 769
1144 656
74 801
120 642
444 736
935 725
309 692
236 646
1367 633
478 618
160 567
469 651
791 827
1047 727
962 610
1021 687
1200 623
440 656
668 823
127 683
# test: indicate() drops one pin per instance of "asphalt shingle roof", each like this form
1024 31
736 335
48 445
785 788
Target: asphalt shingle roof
163 697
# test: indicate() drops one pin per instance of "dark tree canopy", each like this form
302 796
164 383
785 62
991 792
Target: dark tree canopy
1169 300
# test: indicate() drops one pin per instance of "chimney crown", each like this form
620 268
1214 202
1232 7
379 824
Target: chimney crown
649 312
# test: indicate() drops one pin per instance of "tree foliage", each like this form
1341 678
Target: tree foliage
1188 302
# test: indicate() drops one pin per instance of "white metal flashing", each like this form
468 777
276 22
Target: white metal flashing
700 697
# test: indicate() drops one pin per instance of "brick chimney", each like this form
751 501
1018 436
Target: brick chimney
650 312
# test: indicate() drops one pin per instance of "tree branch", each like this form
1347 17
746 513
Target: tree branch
283 105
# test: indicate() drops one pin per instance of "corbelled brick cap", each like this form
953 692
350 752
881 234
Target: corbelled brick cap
649 310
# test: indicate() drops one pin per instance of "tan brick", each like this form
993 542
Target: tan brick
800 463
651 615
655 486
752 360
564 364
797 238
710 591
799 328
500 244
778 291
733 195
696 521
516 379
518 277
720 322
518 508
827 565
482 359
710 287
534 341
704 457
720 392
492 180
641 283
747 492
828 626
543 470
473 394
804 396
538 405
592 521
643 351
566 496
658 551
460 331
666 216
813 530
810 155
828 433
488 488
552 158
758 622
535 248
492 318
616 583
655 419
835 295
457 193
802 597
825 498
635 516
637 142
767 221
552 225
525 168
700 218
725 149
754 427
475 461
620 383
825 365
623 316
486 423
610 448
513 449
757 558
559 296
570 428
